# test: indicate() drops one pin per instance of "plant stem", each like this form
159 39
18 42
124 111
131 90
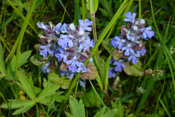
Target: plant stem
96 55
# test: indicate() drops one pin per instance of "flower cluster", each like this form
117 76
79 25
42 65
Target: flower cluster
68 44
130 42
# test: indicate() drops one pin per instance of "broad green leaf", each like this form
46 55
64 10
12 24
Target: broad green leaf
56 79
59 97
35 59
77 108
2 63
24 109
11 66
47 92
16 104
134 70
23 58
107 45
109 113
46 83
120 112
68 114
24 84
45 101
92 5
100 113
20 6
90 99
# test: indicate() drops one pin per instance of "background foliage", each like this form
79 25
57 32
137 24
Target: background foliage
26 91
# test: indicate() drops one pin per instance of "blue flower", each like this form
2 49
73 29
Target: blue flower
111 72
85 44
85 25
142 52
45 68
64 28
41 25
128 50
81 68
116 41
45 50
69 74
61 55
129 17
119 65
67 40
147 33
57 28
82 82
130 36
73 64
133 57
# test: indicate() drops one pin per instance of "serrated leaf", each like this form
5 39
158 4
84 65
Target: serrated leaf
120 112
16 104
109 113
2 63
100 113
24 84
134 70
68 114
47 92
56 79
59 97
92 5
107 45
77 108
23 109
46 83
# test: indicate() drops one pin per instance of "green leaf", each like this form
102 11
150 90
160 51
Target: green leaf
100 113
24 109
107 64
134 70
23 58
35 59
16 104
2 63
100 82
77 108
109 113
11 66
90 99
120 112
56 79
107 45
46 83
24 84
92 5
47 92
